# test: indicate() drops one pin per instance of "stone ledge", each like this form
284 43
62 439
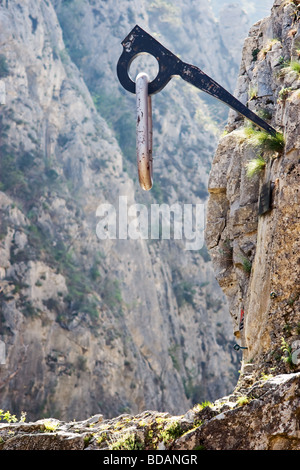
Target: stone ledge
264 418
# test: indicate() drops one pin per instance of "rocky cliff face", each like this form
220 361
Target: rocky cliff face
81 316
253 236
257 420
253 210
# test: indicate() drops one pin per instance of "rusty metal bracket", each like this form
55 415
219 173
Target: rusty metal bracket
139 42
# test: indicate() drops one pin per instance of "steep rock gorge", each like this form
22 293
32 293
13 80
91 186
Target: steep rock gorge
254 243
95 325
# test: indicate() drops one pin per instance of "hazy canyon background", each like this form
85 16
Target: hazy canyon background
93 326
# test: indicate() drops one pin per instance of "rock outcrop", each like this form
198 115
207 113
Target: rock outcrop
264 418
253 218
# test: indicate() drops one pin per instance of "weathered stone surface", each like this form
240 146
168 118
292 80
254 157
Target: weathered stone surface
45 441
262 416
266 422
256 255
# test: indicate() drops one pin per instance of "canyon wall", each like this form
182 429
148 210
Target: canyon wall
253 219
92 325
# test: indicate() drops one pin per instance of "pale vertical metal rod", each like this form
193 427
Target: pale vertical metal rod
144 132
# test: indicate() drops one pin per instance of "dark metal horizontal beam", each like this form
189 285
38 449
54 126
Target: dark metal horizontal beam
139 42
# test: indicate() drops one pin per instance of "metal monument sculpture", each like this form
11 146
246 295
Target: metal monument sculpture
139 42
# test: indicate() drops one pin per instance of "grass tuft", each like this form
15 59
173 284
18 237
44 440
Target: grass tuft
255 166
127 442
247 265
264 140
289 66
243 400
294 66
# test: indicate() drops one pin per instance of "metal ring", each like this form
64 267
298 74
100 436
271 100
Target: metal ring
139 42
144 132
237 347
